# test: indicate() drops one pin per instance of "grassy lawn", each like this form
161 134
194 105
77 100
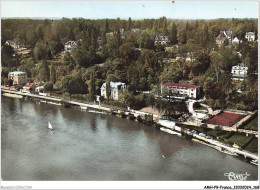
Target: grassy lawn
252 125
240 139
249 143
253 145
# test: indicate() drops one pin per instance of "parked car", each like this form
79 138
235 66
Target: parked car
202 135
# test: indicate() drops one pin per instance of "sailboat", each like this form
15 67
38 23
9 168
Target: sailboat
50 127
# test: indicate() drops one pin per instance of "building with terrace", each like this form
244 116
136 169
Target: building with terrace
69 45
161 40
250 36
187 90
115 87
239 72
18 77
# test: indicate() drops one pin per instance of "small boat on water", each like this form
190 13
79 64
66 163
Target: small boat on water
59 104
170 131
50 127
255 162
12 95
229 152
163 156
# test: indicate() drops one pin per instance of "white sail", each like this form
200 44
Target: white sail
49 126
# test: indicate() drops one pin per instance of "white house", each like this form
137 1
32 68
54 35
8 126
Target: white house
161 40
250 36
189 90
15 44
239 72
18 77
69 45
116 88
135 29
236 41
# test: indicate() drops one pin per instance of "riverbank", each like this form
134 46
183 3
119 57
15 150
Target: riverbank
136 115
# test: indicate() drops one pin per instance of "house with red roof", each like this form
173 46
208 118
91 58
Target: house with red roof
186 90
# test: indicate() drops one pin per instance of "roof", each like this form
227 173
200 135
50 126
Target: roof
113 84
180 85
71 43
229 33
16 73
250 33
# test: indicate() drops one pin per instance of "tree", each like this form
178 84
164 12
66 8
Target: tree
129 24
144 40
73 84
173 34
106 26
40 51
165 27
53 74
92 87
108 88
126 51
48 86
45 71
205 38
6 55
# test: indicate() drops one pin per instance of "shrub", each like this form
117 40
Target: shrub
48 86
131 116
148 119
122 114
139 119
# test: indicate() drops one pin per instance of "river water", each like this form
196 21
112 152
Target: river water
89 146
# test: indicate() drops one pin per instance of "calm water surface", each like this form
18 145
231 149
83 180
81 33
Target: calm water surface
89 146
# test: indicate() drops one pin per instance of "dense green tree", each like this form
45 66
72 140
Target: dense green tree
92 87
48 86
45 71
108 88
129 24
52 74
173 34
145 41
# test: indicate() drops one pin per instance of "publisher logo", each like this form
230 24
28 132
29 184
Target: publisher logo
236 176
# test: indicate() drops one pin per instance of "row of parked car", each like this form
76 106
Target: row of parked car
194 132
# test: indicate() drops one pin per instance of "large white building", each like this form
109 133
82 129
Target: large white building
187 90
69 45
250 36
239 72
161 40
18 77
116 88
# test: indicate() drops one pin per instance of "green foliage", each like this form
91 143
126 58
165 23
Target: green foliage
148 119
73 84
48 86
45 71
142 70
252 146
53 74
145 41
173 34
139 119
131 116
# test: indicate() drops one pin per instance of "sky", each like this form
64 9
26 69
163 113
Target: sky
133 9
